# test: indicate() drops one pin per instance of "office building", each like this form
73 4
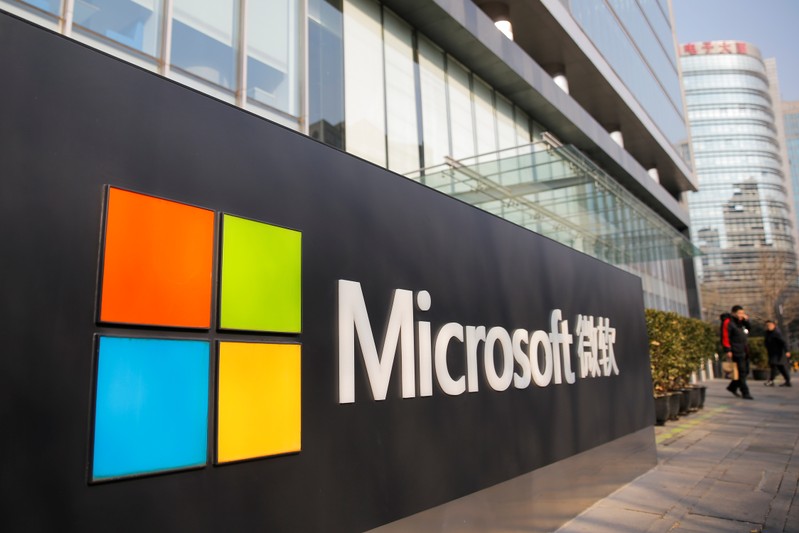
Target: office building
741 216
297 265
790 117
567 123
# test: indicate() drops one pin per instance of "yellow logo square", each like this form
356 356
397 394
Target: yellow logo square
258 411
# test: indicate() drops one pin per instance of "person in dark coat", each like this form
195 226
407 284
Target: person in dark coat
735 348
777 354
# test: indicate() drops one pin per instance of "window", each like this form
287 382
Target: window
460 111
133 23
326 72
272 44
51 6
363 79
402 132
204 39
434 103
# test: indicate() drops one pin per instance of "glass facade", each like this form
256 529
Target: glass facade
132 24
326 71
740 218
558 192
201 43
364 81
635 38
791 124
272 54
409 104
204 41
355 75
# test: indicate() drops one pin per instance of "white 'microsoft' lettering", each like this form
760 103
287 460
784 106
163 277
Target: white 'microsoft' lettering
546 359
352 319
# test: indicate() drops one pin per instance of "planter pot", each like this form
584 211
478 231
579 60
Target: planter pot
759 374
674 405
661 409
685 402
693 399
702 391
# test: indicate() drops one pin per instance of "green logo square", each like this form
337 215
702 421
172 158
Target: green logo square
261 279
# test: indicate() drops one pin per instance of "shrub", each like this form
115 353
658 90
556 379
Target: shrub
677 346
758 355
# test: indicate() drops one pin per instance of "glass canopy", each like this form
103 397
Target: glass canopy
558 192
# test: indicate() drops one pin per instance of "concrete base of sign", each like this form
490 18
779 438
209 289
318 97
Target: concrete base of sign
545 498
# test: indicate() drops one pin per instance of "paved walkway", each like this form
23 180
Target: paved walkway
733 466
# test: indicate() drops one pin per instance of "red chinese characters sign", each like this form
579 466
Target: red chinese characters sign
716 47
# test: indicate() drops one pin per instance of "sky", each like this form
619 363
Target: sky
771 25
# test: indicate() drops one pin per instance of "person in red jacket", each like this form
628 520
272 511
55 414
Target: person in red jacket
724 334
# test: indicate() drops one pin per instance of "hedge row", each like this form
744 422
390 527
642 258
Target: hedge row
677 347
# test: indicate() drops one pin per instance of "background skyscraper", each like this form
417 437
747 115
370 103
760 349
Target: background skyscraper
790 116
741 216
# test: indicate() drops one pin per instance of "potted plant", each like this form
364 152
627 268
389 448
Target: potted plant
701 346
678 346
758 358
667 359
659 352
661 409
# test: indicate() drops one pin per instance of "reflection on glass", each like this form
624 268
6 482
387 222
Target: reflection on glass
659 19
485 131
51 6
435 130
506 138
662 60
523 134
506 128
272 44
133 23
204 35
578 205
326 72
363 77
460 111
403 136
604 30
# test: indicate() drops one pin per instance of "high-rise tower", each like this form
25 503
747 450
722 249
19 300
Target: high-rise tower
741 216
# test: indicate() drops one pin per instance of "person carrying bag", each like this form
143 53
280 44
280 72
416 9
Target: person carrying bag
734 342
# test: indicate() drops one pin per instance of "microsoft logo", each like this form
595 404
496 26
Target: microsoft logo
198 306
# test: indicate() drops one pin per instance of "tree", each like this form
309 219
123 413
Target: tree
779 289
768 288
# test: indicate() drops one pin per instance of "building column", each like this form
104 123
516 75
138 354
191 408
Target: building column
617 137
499 12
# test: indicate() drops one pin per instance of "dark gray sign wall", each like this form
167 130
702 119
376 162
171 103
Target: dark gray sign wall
75 120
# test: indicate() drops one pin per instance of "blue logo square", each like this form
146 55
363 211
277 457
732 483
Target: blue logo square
151 410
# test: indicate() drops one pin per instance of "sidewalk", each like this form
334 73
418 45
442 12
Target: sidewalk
733 466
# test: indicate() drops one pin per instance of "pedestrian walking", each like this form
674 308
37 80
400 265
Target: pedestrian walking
778 354
734 338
